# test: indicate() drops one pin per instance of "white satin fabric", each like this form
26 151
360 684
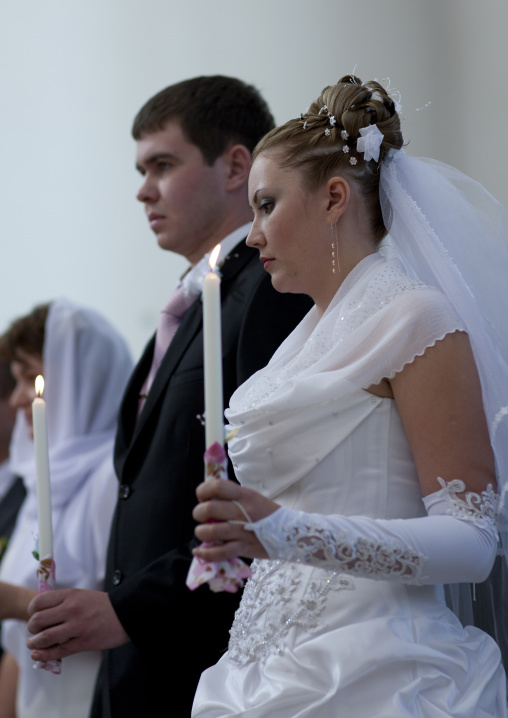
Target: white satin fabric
86 367
311 642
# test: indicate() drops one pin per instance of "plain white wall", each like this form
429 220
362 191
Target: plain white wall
74 74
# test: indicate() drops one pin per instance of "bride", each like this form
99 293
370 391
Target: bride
367 449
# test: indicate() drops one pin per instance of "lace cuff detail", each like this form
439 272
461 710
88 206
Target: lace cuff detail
480 509
317 540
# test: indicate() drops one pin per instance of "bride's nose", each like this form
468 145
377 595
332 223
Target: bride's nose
256 238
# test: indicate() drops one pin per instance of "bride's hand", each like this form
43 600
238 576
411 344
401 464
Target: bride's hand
222 520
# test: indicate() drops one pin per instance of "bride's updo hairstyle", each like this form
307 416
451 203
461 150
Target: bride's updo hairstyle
323 141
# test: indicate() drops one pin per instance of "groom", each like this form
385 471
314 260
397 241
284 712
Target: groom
194 143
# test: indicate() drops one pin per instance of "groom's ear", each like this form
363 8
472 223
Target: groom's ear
237 163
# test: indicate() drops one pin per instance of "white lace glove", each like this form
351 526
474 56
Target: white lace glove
455 543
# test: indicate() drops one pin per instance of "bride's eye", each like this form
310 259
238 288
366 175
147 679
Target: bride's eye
267 205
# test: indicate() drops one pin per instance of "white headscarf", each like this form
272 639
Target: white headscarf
86 367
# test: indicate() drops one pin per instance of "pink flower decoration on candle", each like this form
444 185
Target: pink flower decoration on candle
219 575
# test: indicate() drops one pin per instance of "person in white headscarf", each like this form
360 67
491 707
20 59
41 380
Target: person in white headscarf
371 449
85 364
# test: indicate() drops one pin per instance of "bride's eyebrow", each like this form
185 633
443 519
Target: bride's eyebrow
255 198
256 193
259 191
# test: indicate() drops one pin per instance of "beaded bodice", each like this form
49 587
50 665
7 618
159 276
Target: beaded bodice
282 595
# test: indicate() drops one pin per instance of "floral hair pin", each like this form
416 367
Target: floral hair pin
370 142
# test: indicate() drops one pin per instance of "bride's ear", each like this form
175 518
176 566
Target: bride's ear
338 193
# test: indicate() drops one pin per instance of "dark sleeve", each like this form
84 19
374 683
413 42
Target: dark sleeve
164 618
9 507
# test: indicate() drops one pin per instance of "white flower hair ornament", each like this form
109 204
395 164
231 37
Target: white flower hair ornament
370 142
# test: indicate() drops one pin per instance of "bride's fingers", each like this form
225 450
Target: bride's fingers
224 540
222 531
244 503
218 489
216 510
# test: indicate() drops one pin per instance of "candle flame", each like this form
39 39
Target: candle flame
214 257
39 385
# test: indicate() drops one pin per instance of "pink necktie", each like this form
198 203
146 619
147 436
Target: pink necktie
169 321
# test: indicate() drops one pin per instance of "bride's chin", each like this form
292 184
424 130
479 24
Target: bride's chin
282 284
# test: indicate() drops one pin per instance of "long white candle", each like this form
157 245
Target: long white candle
212 349
40 431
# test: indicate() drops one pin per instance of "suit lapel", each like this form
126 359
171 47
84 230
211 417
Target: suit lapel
190 326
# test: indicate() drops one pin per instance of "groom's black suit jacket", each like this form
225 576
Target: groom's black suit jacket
177 633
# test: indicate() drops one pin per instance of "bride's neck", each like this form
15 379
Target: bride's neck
350 254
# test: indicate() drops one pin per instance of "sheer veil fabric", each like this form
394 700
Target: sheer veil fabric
452 234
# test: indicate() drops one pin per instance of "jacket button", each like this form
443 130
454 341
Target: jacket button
124 491
117 577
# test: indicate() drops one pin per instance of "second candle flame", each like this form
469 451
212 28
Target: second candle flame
39 385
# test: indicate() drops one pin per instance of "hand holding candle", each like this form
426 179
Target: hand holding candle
219 575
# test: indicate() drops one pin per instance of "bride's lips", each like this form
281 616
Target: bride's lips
266 261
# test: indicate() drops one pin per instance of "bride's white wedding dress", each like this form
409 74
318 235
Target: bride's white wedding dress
311 641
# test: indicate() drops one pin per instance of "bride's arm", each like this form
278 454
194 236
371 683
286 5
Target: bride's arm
439 400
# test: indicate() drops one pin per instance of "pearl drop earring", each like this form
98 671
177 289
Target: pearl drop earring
335 249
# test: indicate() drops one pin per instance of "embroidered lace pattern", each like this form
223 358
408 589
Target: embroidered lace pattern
316 543
273 585
387 284
481 509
